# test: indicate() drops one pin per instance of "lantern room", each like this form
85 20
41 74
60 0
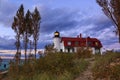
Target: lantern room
56 34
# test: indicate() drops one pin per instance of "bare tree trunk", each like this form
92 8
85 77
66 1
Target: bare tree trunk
35 49
19 43
18 52
25 46
119 35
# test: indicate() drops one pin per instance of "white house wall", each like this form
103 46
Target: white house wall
62 46
93 50
101 51
75 49
66 50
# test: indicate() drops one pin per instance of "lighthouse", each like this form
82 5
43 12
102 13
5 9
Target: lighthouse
57 40
71 44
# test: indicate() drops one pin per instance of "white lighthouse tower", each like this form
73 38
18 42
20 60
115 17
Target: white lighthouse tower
57 41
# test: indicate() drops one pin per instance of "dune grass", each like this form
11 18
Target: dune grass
107 66
54 66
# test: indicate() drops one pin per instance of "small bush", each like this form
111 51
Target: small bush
83 53
55 63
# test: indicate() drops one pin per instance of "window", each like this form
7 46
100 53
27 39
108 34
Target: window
97 51
68 50
76 43
89 43
61 50
73 50
96 43
69 43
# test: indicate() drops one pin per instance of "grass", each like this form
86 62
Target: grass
67 66
107 66
54 66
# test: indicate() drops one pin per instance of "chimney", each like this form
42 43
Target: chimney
77 36
80 35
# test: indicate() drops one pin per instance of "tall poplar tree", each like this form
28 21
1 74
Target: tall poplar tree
36 18
17 27
27 31
26 26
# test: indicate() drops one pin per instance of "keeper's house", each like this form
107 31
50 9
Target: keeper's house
70 44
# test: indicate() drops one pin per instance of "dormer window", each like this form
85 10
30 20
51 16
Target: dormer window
69 43
89 43
76 43
96 43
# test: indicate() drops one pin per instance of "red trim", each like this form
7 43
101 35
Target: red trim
92 42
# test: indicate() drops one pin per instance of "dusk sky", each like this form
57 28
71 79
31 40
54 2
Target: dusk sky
69 17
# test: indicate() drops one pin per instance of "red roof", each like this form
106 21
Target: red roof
81 42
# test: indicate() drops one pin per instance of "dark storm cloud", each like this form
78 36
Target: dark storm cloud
65 21
101 27
42 44
7 10
6 43
99 22
57 19
110 41
68 22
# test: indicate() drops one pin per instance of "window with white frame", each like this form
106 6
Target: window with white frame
69 43
76 43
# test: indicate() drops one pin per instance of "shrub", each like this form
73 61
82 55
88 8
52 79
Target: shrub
55 63
83 53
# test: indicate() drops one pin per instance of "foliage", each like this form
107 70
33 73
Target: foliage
17 57
83 53
111 8
49 48
107 66
36 18
26 27
17 26
54 66
27 30
56 63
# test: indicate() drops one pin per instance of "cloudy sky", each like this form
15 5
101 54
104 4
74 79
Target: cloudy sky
69 17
